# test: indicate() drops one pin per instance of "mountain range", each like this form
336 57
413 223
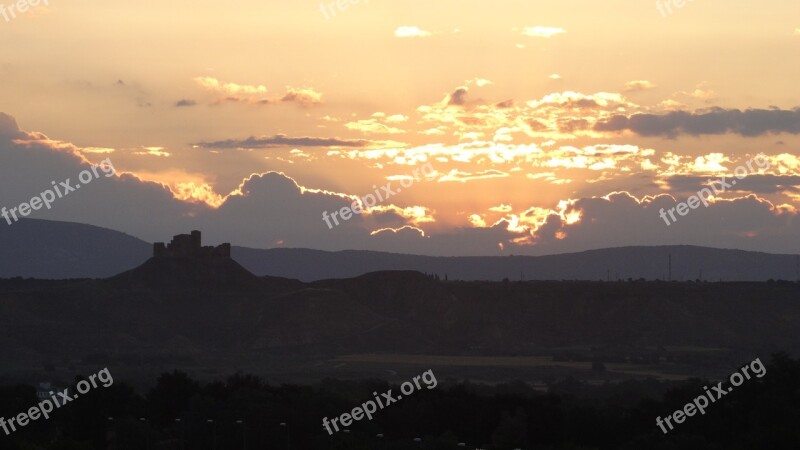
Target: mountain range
60 250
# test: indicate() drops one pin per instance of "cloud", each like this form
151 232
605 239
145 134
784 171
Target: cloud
458 97
706 95
123 202
616 219
554 116
571 99
502 208
755 183
749 123
9 129
638 85
373 126
272 207
185 103
620 219
214 85
282 140
411 32
153 151
395 216
265 208
433 132
98 150
303 96
543 32
256 94
396 118
572 125
463 177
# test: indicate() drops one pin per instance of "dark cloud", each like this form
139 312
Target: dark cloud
582 103
269 208
759 184
8 128
619 220
304 97
281 140
749 123
459 97
272 207
536 125
572 125
124 202
185 102
389 218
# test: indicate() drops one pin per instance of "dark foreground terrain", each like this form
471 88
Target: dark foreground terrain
241 412
593 363
212 317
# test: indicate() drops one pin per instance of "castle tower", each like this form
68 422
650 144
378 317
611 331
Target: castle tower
197 240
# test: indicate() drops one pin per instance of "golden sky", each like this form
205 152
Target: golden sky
551 125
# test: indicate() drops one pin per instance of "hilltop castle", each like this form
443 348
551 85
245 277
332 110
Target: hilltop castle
190 246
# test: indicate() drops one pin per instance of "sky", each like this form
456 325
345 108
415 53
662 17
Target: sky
511 127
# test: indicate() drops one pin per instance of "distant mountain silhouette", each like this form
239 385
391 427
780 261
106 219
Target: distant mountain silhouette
650 263
60 250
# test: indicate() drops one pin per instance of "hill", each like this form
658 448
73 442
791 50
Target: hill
61 250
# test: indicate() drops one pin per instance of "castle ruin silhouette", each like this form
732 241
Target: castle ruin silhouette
190 246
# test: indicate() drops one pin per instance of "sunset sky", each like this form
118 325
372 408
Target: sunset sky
552 126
